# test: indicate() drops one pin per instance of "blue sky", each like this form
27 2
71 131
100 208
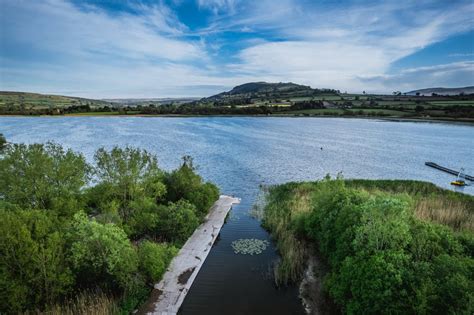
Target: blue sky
116 49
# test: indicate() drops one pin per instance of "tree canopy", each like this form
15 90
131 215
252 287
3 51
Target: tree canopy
69 227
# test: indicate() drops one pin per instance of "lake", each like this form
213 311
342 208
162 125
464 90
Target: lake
241 153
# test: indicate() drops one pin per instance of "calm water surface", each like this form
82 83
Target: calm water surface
239 154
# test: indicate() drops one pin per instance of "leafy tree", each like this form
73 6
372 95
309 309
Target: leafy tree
43 177
33 268
154 259
127 174
102 254
144 219
371 284
419 108
203 197
177 221
3 142
184 183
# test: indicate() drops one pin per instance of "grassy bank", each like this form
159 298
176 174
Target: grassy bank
390 246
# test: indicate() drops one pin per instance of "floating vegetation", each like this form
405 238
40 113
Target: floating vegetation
249 246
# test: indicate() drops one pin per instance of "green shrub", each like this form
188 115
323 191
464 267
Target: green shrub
203 197
3 142
184 183
43 177
370 283
128 173
33 268
177 221
144 218
102 254
154 259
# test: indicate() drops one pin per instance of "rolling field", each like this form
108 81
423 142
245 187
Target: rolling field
42 101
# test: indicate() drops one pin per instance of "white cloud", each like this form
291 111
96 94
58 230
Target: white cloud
63 30
446 75
217 6
91 52
461 55
336 47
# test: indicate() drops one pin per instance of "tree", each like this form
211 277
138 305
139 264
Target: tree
419 108
128 174
102 254
154 259
177 221
184 183
33 268
43 177
3 142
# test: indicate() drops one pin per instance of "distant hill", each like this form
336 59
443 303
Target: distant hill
147 101
259 91
35 101
443 91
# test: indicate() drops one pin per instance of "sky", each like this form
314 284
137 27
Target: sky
182 48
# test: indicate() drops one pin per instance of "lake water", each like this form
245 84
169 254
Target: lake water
239 154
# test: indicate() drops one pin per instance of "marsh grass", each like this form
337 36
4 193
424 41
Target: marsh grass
87 303
278 217
431 203
453 213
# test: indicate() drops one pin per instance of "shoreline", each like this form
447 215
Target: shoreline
386 118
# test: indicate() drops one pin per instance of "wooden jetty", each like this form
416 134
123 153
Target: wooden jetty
169 293
448 170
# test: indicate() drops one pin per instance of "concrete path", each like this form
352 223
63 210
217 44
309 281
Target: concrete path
170 292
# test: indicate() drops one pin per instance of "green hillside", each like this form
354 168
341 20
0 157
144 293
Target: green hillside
20 101
261 92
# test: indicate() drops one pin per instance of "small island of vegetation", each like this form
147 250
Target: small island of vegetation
382 246
78 238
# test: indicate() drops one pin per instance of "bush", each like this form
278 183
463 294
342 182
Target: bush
102 254
144 219
203 197
184 183
43 177
128 173
177 221
154 259
3 142
32 260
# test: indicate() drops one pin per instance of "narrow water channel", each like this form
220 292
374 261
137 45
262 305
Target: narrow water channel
240 154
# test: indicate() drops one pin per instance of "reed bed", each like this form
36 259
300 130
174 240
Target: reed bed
86 303
456 214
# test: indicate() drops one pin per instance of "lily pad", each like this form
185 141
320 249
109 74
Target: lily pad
249 246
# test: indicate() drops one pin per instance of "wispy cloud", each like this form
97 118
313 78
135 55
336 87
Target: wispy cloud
461 55
91 50
445 75
218 6
335 52
60 28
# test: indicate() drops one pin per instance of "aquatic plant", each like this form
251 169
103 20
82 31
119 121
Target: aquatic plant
249 246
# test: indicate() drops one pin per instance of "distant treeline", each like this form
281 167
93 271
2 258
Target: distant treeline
450 107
